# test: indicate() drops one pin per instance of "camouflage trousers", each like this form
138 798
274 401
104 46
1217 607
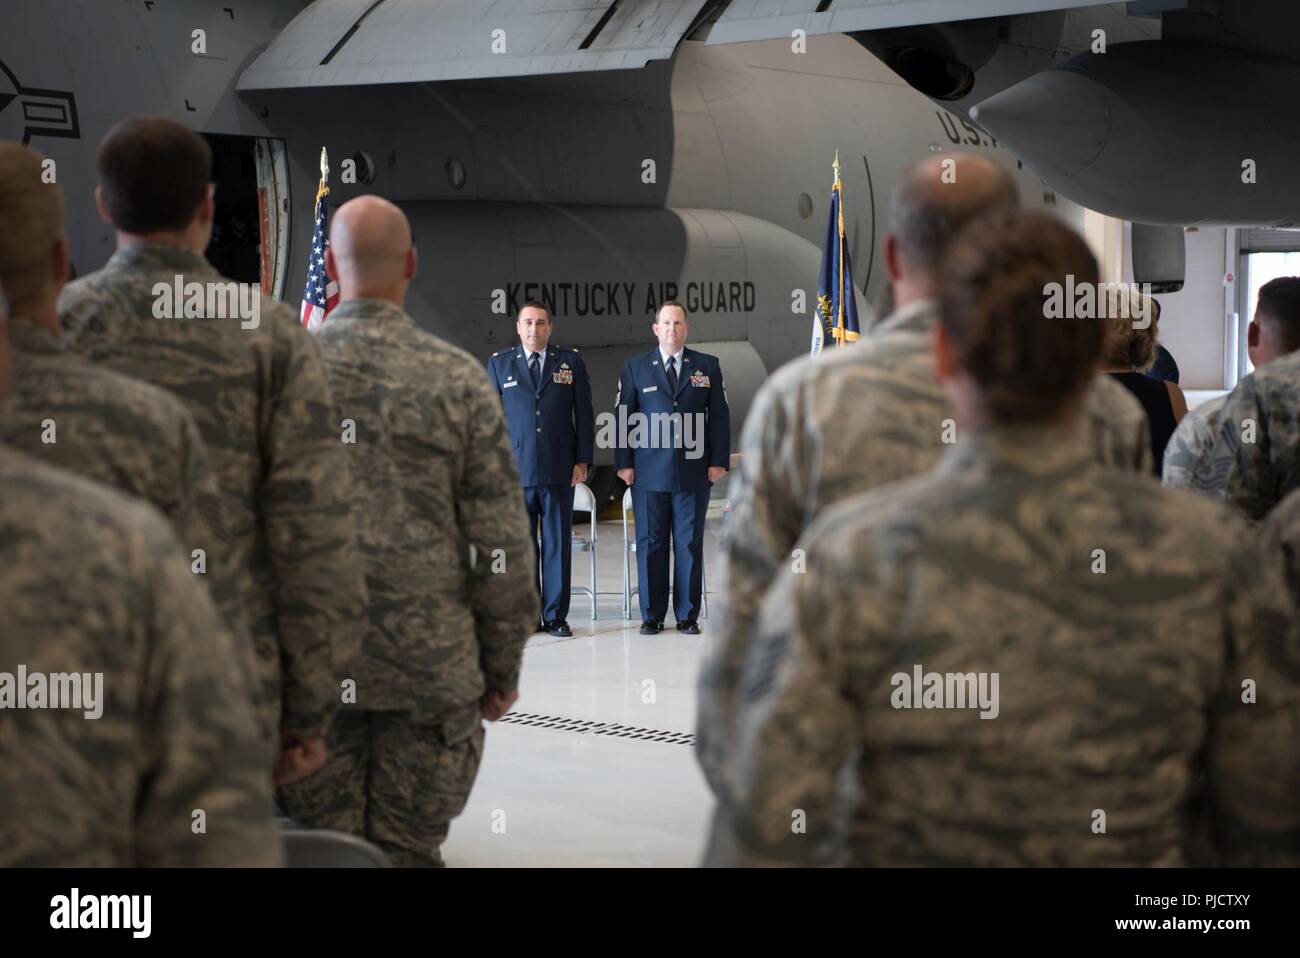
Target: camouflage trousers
392 779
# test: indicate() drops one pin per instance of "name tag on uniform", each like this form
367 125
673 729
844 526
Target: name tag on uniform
509 384
700 381
563 375
650 389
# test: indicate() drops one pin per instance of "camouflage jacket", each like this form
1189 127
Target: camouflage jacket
1282 532
829 427
124 433
1255 461
261 400
444 533
1188 463
1114 625
173 770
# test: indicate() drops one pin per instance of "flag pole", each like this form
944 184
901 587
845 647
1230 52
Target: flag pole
323 188
839 298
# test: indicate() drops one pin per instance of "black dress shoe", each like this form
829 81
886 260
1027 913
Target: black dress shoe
690 627
559 627
651 627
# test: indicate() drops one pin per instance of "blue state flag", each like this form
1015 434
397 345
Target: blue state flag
835 319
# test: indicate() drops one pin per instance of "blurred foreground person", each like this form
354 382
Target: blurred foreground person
448 557
828 427
79 416
1282 531
254 382
127 732
1014 676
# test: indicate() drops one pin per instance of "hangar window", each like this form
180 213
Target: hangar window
1266 255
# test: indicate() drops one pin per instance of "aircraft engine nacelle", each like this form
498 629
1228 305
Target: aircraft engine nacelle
1164 132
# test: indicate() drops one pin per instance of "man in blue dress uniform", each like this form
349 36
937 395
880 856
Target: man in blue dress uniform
674 442
547 397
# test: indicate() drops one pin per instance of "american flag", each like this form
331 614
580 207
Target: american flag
321 294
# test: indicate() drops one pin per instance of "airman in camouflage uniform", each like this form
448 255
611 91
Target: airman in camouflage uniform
173 772
1114 634
449 561
828 427
1190 459
987 566
257 388
70 413
1255 461
1187 457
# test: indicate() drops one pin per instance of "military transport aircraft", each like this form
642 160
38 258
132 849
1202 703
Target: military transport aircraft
602 155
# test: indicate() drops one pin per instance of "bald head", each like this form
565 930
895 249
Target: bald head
33 250
370 252
935 200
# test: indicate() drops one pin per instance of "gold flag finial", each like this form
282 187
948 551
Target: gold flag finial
322 189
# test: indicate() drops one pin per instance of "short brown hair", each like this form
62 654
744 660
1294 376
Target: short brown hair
534 304
995 277
154 174
672 302
1279 304
31 222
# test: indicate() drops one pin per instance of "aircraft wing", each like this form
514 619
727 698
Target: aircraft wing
768 19
358 42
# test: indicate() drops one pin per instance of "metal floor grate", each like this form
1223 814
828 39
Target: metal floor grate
598 728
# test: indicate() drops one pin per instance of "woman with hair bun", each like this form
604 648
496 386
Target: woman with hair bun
1022 657
1130 351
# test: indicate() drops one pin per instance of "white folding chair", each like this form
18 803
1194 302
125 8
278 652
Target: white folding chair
629 549
704 587
584 498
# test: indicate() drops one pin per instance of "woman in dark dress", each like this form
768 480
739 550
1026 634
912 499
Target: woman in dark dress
1130 351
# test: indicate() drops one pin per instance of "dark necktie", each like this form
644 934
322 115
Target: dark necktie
535 368
672 373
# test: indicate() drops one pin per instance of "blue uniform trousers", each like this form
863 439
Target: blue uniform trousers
660 515
552 506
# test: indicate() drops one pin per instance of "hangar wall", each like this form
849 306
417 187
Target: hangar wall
1194 321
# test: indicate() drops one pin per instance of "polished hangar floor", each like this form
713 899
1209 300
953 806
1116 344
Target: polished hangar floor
595 765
